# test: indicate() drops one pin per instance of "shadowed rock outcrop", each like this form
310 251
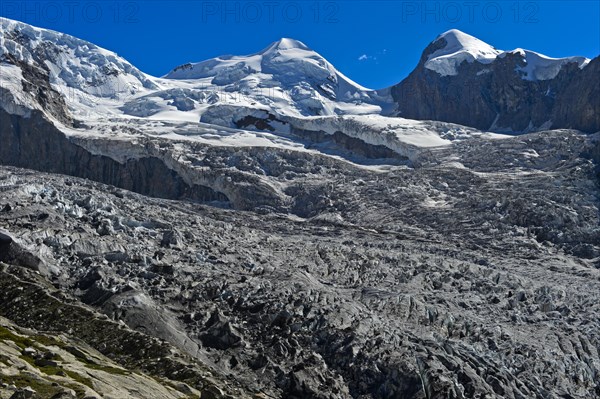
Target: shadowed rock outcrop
36 143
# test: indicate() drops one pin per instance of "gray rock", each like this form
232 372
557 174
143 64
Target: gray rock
172 239
24 393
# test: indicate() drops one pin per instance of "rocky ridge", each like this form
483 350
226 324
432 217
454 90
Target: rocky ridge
37 365
65 349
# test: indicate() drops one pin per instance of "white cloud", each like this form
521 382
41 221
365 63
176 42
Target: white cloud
363 57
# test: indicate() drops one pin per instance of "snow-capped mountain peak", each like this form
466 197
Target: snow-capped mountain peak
277 58
288 44
71 62
458 47
464 80
452 48
457 40
298 80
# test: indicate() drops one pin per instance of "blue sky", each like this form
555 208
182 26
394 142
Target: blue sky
376 43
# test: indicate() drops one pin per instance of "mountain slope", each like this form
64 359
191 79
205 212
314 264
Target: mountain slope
71 62
463 80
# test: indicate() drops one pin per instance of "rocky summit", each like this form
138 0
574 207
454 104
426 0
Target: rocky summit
315 239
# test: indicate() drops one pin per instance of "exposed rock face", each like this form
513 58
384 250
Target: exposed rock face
36 143
241 179
494 96
577 104
343 142
34 365
36 83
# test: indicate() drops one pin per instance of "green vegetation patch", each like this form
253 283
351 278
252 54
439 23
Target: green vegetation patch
43 389
79 378
59 371
48 341
21 342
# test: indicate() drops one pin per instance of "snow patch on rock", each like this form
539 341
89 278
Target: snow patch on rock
461 47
